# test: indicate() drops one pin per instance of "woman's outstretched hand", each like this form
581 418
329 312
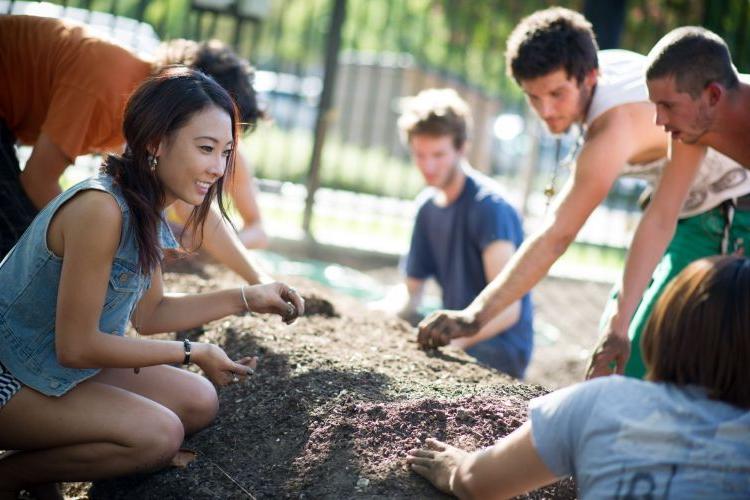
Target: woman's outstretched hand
275 298
217 366
437 462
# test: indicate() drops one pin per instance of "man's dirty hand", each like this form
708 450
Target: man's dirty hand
440 327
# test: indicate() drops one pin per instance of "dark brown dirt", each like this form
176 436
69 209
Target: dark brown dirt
338 399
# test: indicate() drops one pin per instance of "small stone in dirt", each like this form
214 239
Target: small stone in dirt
363 482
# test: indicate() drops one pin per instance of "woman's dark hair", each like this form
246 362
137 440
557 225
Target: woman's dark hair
548 40
159 107
220 62
699 330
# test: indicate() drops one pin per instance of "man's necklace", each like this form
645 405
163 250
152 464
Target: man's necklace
550 190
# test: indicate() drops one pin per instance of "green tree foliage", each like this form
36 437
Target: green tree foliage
463 38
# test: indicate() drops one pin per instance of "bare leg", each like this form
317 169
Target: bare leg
94 431
191 397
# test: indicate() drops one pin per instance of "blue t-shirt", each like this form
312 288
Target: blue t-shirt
447 244
626 438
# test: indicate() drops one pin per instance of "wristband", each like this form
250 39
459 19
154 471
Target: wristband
188 348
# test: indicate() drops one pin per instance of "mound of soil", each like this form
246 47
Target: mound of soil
337 400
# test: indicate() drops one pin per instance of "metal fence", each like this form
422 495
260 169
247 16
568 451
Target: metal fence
331 74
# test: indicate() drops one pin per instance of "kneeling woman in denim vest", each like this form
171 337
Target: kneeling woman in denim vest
78 400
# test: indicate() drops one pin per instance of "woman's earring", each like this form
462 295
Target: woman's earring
153 162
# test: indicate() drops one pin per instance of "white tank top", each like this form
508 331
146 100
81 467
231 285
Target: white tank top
622 81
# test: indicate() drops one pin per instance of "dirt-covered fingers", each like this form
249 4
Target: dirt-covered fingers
439 333
435 466
249 362
444 333
421 470
431 331
421 453
422 466
434 444
241 370
290 315
597 367
292 297
422 461
610 355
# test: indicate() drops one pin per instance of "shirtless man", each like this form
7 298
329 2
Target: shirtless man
699 97
706 106
553 56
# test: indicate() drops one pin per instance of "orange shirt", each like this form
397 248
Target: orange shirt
57 78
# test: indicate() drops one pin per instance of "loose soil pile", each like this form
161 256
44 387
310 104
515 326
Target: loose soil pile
337 400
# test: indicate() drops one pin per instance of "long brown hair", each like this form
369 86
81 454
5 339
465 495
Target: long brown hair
159 107
699 331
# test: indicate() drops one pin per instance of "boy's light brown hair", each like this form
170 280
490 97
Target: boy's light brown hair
435 112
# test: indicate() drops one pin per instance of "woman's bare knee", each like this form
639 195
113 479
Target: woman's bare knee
201 408
157 440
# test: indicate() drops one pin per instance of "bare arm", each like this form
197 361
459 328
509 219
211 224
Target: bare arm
411 297
604 153
509 468
242 188
596 170
40 177
158 312
403 300
87 230
655 230
494 259
221 243
86 233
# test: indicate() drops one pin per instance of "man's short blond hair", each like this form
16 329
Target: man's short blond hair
436 112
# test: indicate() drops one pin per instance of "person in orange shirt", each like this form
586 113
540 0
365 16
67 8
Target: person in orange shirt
64 92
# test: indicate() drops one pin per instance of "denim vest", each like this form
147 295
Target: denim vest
29 282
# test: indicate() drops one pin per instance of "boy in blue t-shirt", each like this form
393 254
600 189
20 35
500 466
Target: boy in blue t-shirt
464 232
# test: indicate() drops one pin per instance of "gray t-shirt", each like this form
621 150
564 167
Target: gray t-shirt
625 438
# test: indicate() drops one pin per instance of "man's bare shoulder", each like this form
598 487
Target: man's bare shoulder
630 130
624 118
